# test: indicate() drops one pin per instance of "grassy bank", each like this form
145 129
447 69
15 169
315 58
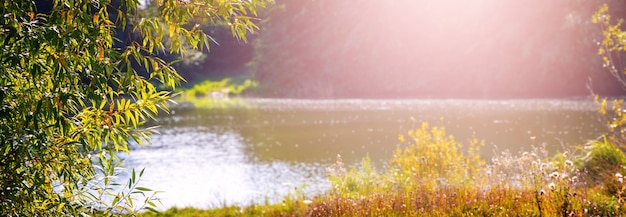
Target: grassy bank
432 174
209 94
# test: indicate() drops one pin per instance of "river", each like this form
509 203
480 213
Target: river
259 150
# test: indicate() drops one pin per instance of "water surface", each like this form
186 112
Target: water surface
261 149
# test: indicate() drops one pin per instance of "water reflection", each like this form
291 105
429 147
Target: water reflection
203 168
214 157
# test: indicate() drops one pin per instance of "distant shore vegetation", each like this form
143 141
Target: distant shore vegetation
224 88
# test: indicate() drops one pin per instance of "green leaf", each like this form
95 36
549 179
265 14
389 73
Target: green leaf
151 209
102 104
132 177
143 189
151 204
115 200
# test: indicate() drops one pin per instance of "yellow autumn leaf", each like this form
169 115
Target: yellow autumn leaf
171 29
401 138
100 53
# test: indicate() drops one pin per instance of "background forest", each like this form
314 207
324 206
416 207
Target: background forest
382 49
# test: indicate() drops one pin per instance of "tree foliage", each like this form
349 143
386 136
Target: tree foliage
226 58
71 93
612 49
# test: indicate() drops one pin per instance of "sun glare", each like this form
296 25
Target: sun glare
471 48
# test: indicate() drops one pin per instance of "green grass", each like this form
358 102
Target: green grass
217 94
226 86
431 174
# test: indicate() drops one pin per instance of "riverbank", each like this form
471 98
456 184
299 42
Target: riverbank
432 174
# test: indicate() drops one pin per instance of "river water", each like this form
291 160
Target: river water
259 150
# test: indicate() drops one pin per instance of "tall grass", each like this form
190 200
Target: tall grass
435 175
432 174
